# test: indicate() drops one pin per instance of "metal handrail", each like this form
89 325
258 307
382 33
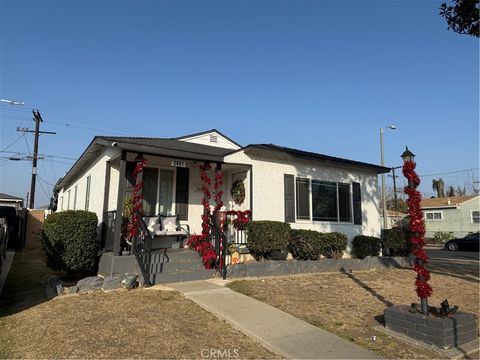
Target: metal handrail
142 249
219 236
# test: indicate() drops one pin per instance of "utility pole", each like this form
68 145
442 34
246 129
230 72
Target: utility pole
38 119
395 185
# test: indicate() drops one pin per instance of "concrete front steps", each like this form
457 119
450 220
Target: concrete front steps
183 265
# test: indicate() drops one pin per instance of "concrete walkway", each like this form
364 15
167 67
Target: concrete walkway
276 330
6 268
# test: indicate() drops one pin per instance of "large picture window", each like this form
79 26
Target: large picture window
328 201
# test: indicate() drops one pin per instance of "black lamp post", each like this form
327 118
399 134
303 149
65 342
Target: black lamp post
417 229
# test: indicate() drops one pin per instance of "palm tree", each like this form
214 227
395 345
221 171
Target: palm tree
439 186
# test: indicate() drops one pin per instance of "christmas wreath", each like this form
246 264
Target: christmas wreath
238 192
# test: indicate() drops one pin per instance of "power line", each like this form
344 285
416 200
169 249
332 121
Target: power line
8 146
450 172
45 181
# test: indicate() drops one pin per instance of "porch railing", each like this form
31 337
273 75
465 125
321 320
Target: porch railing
234 235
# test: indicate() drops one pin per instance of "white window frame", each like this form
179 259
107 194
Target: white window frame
433 212
87 192
75 190
471 217
68 199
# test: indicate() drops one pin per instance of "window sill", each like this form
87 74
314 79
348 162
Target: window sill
314 222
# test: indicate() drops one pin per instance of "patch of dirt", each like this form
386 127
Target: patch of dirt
351 304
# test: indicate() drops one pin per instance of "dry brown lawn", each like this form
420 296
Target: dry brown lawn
350 305
141 323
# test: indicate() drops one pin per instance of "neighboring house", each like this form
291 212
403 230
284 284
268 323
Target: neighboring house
393 218
458 215
9 200
308 190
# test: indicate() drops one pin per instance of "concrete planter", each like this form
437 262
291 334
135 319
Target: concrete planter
444 332
292 267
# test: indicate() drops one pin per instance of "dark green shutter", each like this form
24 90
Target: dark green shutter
181 196
357 204
289 195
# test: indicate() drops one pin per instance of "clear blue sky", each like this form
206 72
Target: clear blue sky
322 76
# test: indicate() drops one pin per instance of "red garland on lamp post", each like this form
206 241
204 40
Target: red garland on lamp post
137 197
417 229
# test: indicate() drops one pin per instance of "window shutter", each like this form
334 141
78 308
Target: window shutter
357 204
289 191
181 196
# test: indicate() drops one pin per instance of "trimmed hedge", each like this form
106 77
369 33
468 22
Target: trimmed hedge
334 244
305 244
69 241
364 246
266 237
396 242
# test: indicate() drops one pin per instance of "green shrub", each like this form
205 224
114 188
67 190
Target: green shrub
265 237
364 246
396 242
333 244
441 237
69 241
305 244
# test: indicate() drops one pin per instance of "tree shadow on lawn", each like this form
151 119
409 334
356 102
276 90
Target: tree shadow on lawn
368 288
379 318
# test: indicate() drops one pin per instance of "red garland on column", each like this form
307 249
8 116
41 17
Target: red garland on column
201 243
134 221
417 229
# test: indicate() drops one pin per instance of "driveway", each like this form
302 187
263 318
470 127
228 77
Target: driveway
462 264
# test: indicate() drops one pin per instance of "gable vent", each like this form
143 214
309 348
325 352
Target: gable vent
213 138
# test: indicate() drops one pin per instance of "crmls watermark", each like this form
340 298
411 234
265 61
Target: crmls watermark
220 353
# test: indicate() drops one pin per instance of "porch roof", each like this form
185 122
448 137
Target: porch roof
154 146
169 147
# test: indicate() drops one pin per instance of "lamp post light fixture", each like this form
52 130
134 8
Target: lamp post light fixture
382 163
407 155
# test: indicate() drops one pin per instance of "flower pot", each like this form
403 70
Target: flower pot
277 255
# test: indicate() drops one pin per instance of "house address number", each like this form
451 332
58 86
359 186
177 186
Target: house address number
179 163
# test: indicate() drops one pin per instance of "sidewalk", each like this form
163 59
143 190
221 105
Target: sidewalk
5 268
276 330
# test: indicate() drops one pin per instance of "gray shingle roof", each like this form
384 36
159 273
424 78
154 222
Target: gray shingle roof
307 155
9 197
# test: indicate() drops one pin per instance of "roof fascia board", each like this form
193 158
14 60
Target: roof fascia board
330 159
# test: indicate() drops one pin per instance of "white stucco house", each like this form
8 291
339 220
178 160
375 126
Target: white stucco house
457 215
307 190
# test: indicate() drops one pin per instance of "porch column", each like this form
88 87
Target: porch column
120 199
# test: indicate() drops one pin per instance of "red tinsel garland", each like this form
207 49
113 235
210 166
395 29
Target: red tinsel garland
417 229
137 197
201 243
242 218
